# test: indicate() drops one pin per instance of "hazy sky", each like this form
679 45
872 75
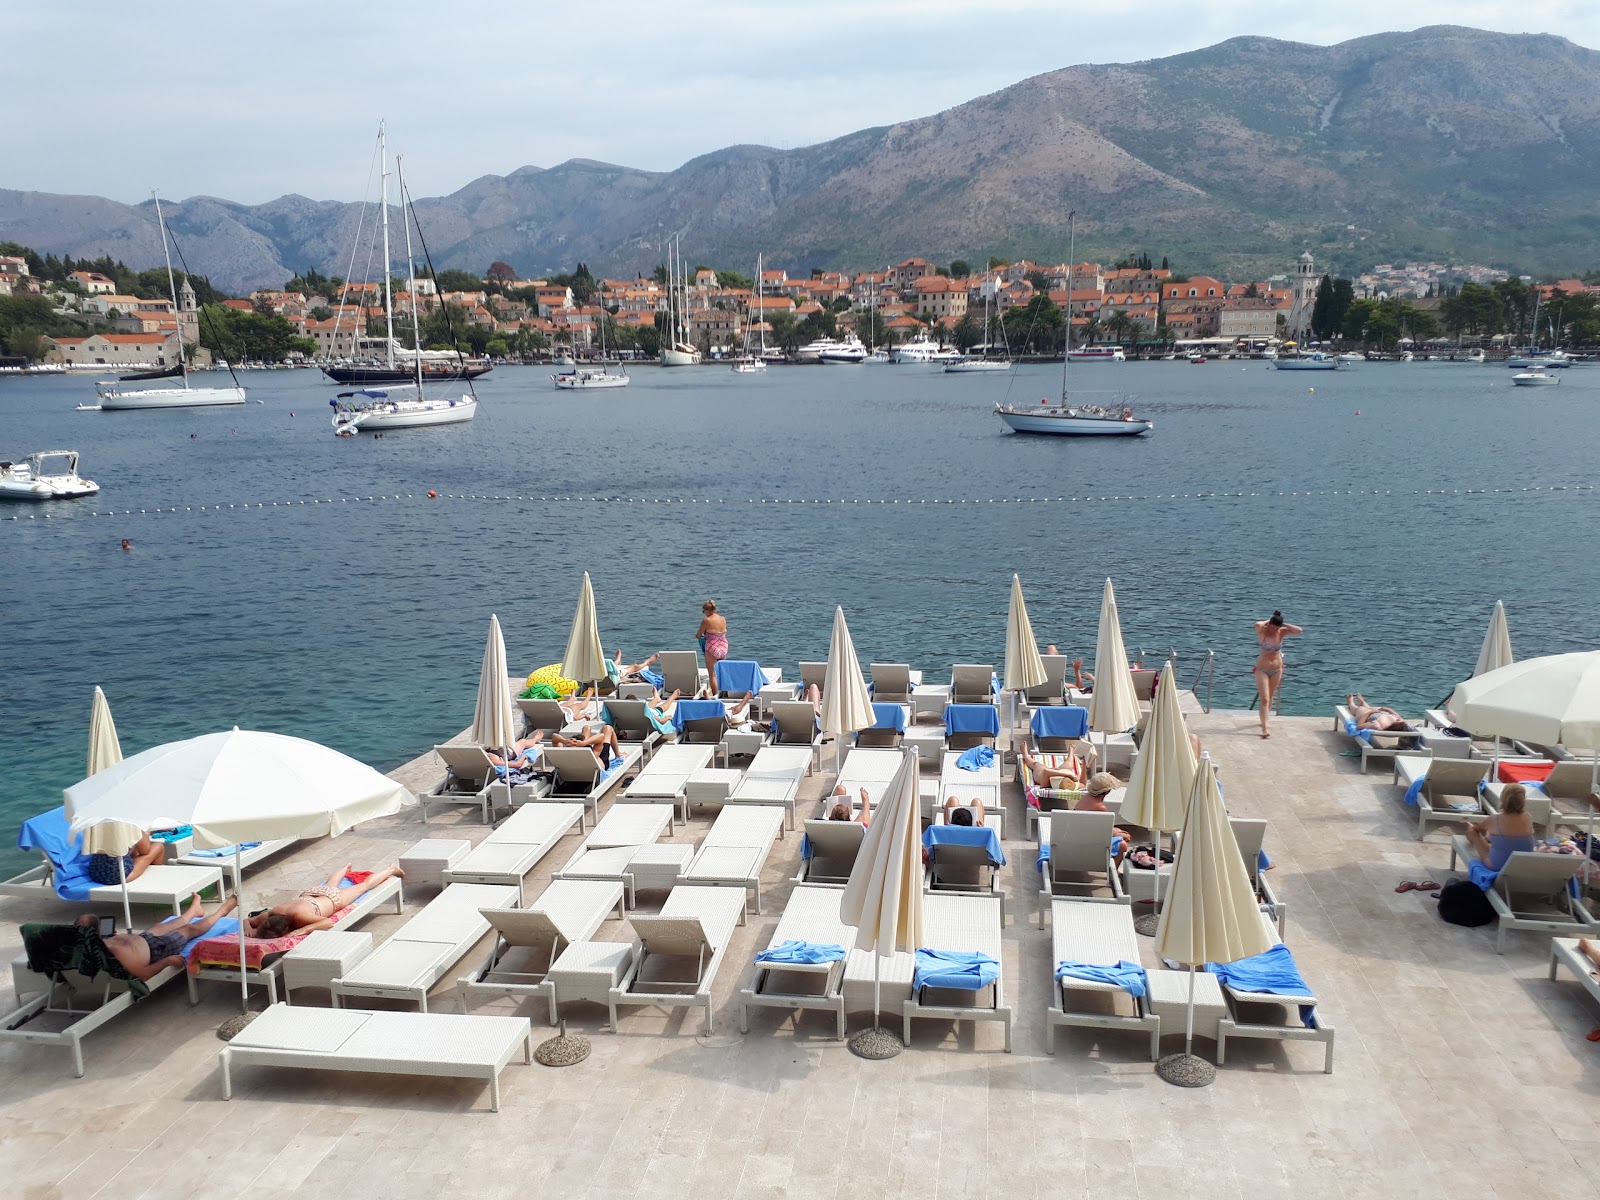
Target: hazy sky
249 101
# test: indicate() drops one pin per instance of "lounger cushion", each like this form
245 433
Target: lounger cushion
221 948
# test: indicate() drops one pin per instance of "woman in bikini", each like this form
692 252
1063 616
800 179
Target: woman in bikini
1269 663
313 908
713 635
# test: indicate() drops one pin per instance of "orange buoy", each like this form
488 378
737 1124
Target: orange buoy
432 495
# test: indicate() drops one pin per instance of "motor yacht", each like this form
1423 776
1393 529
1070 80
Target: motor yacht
47 475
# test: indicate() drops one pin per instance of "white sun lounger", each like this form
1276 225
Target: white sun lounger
812 915
1250 833
1533 892
579 777
1449 792
621 847
665 777
1080 858
1381 743
1101 934
972 683
466 782
834 847
632 723
569 910
424 949
892 682
868 768
39 997
894 971
794 723
514 849
736 848
969 923
161 886
1285 1026
1568 953
244 861
682 672
773 777
676 954
438 1045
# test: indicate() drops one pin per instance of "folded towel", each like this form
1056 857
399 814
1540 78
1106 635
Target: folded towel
1064 720
1129 976
964 970
739 676
172 835
223 851
695 710
889 716
1272 973
1481 875
796 951
976 759
654 678
972 718
965 835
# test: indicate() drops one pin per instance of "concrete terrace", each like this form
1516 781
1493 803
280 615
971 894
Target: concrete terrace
1457 1071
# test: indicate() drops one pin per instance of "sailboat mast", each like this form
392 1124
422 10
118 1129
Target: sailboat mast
388 300
416 325
172 286
1072 262
761 304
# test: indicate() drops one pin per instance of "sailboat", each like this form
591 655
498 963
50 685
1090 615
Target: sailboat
114 398
747 363
1066 419
406 406
591 379
972 366
677 352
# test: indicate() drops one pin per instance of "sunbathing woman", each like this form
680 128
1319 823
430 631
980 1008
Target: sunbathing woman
840 800
1069 776
602 739
621 672
957 813
1505 833
1269 663
145 955
520 756
312 909
1375 717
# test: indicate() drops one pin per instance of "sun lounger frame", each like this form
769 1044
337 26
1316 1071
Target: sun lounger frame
812 915
963 922
1101 934
697 920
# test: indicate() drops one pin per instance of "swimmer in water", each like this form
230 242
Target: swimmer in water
126 544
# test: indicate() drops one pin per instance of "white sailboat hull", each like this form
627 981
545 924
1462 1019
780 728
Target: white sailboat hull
679 358
588 381
204 397
1306 364
406 414
1534 379
975 366
1070 422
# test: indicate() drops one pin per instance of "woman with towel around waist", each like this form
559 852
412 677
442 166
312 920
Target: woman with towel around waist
713 635
1269 663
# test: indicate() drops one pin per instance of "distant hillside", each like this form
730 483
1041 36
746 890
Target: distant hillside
1442 142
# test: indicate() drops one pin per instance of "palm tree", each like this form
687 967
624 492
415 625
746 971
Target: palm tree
1119 324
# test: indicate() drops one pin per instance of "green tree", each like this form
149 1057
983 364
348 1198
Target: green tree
1120 325
996 263
960 269
498 347
1038 325
968 332
1321 327
1039 282
453 280
249 336
784 330
818 325
736 281
1474 309
841 304
869 327
312 282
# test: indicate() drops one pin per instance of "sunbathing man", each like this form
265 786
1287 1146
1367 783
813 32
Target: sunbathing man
958 813
1102 784
621 672
840 810
519 751
313 908
602 739
1377 717
144 854
145 955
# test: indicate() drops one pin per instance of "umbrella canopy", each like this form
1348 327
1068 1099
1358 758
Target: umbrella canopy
1554 701
883 899
232 787
1024 667
493 721
846 703
104 749
1158 789
584 660
1210 913
1496 652
1113 706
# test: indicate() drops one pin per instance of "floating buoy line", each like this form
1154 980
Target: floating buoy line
814 502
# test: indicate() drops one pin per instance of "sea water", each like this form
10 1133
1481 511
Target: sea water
308 584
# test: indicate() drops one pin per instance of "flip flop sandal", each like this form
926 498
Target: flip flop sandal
1593 1035
1408 886
1430 886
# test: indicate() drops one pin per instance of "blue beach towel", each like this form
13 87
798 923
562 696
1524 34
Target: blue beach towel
798 952
889 716
49 834
972 718
1065 720
963 970
976 759
739 676
965 835
224 851
695 710
1129 976
1272 973
1415 790
1116 845
654 678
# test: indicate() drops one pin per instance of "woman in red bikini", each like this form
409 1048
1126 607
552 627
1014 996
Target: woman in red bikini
1269 663
713 635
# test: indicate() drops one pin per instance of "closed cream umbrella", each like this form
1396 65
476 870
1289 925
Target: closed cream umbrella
104 748
493 721
1024 667
585 660
883 899
846 703
1211 913
1496 652
231 787
1113 705
1158 789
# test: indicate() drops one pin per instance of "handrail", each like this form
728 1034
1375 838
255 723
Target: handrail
1206 671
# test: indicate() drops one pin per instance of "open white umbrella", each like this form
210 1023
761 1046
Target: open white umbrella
493 722
1496 652
1113 705
1158 789
1211 913
883 899
104 748
585 659
1024 667
846 703
242 785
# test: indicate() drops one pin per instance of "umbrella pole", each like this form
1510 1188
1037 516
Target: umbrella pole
127 907
1187 1069
877 1042
238 899
1188 1026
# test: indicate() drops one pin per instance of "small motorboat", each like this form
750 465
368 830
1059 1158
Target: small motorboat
1534 379
1196 357
47 475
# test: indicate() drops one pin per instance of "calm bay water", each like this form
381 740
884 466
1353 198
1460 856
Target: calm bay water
361 624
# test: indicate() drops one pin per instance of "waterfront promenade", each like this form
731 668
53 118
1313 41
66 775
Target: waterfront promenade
1457 1072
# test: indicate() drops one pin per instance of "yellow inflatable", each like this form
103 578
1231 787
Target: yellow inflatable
552 675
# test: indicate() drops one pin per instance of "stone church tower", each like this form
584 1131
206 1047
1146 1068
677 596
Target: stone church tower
1306 281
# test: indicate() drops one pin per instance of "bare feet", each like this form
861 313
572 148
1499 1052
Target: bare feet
396 872
195 909
228 905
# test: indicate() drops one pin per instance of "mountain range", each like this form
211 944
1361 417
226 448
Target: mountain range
1444 142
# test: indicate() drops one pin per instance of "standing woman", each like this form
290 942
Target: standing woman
1269 663
713 635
